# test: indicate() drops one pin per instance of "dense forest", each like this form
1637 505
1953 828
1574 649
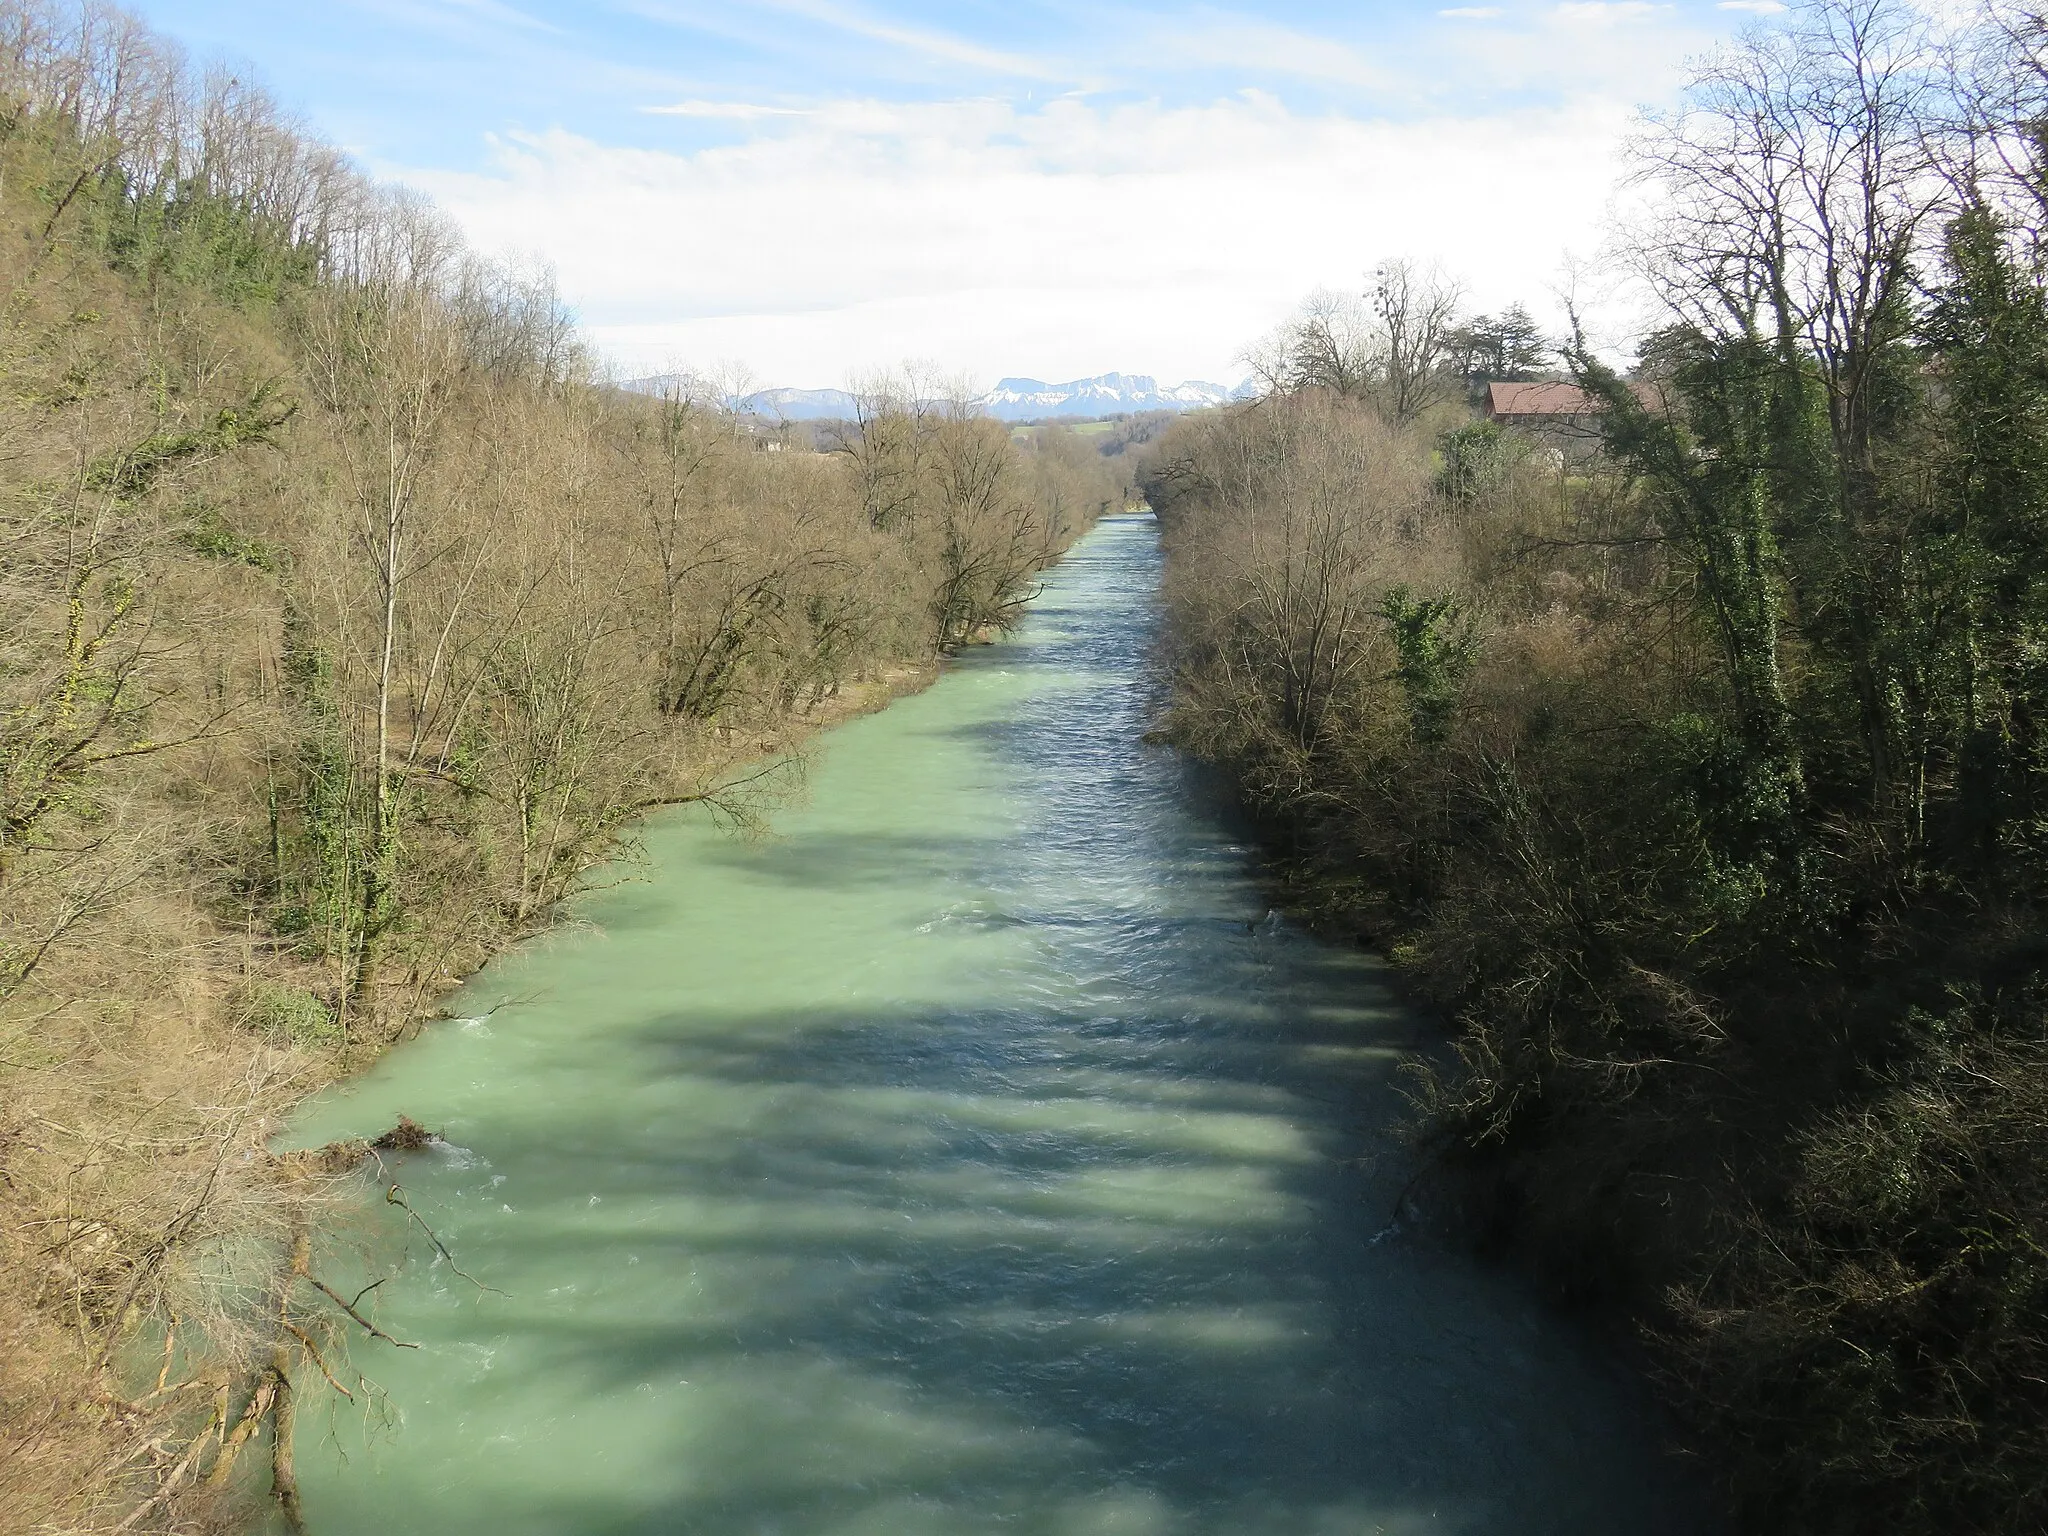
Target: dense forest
347 619
1689 752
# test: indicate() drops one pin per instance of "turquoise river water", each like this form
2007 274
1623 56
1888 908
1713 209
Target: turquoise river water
974 1154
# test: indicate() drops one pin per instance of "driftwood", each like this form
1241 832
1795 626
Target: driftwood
339 1157
406 1136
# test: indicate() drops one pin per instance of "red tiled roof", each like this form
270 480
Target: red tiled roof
1539 400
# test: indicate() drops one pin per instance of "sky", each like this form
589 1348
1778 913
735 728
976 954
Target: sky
1045 188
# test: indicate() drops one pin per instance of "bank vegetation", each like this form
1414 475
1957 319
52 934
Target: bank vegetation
1698 770
348 618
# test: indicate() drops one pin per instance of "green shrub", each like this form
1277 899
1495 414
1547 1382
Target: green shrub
287 1015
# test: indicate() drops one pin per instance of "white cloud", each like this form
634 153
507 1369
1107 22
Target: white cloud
941 47
729 111
1061 241
1630 51
1755 7
1251 46
1606 12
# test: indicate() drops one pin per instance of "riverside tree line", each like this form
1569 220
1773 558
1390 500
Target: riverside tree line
1703 778
347 618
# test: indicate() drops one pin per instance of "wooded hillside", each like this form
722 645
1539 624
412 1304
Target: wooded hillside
347 618
1700 776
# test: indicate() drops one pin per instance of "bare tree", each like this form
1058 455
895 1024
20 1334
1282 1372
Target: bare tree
1393 345
1999 75
1329 345
1415 313
889 441
384 357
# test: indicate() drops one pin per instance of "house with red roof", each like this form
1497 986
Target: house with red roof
1539 404
1563 417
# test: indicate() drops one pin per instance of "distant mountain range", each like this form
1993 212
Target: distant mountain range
1109 394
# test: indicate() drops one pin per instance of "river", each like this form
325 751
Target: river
974 1154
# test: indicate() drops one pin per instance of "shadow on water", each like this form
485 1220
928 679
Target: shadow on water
1046 1285
976 1156
848 860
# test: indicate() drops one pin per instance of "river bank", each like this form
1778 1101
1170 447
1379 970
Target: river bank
352 618
275 780
1746 1030
64 1437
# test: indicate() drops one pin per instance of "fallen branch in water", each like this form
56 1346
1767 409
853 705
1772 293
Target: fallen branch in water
367 1326
252 1418
302 1269
395 1195
313 1350
272 1391
175 1478
284 1480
